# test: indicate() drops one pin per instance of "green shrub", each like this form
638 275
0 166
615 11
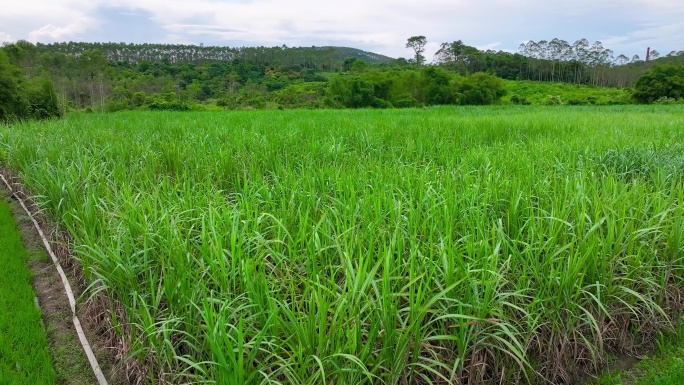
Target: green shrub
479 89
168 106
116 105
553 100
660 82
517 99
24 99
138 99
407 103
576 102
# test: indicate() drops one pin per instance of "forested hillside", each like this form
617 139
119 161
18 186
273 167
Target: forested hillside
117 76
323 58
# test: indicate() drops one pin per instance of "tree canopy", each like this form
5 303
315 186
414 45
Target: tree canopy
24 99
660 82
417 44
13 99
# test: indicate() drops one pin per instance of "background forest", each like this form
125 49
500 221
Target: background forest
54 78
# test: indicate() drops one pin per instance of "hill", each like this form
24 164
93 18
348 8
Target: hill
328 58
342 53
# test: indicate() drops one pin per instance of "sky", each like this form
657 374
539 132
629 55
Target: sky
383 26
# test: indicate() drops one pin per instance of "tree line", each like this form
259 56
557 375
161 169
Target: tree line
554 60
116 76
319 58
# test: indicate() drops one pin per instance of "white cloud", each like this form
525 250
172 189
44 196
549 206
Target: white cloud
651 35
47 21
5 37
485 47
51 32
379 25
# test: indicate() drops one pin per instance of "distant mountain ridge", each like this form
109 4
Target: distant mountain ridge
367 56
329 56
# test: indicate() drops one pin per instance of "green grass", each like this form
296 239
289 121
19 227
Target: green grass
666 367
397 246
551 93
24 356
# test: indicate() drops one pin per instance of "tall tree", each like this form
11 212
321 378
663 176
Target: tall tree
22 54
417 44
460 57
94 63
13 101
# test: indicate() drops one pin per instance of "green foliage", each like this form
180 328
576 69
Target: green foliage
117 105
407 102
411 87
359 66
417 44
24 356
301 95
43 100
138 99
348 63
13 99
354 92
517 99
168 106
460 57
665 367
106 76
540 93
25 99
479 89
552 100
660 82
370 246
436 84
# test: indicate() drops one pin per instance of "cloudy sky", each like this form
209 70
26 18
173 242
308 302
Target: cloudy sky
626 26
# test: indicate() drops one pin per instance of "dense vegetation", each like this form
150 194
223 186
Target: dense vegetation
550 94
412 87
24 99
24 356
662 83
442 245
319 58
113 76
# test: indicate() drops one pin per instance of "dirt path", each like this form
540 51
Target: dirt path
69 360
